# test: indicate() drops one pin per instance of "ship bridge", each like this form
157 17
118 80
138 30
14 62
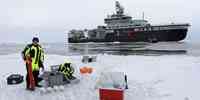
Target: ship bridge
120 20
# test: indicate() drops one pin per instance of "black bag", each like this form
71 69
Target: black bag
15 79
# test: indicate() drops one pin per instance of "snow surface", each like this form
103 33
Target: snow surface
174 77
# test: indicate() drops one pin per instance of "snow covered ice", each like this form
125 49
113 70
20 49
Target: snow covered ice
174 77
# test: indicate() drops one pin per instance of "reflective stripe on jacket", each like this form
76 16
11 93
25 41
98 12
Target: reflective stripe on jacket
66 70
36 53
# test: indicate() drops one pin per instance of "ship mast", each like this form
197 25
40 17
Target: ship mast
142 15
119 8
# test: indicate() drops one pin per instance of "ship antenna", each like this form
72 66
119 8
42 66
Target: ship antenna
142 15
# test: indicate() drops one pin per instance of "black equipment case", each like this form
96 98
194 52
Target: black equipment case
15 79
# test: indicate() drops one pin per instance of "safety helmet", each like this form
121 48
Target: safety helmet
67 61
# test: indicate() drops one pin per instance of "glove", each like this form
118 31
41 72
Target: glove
42 69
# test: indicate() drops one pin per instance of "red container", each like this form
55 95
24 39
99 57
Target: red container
111 94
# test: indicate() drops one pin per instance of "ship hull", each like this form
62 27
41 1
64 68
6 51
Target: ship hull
130 35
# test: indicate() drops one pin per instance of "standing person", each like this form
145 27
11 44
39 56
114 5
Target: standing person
36 53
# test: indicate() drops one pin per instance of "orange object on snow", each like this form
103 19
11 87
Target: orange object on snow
85 70
90 70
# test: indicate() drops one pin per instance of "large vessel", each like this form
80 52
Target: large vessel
122 28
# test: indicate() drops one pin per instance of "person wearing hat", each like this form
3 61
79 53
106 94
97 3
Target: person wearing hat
36 53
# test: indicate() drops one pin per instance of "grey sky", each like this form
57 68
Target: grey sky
20 18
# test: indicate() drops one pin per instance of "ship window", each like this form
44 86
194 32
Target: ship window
156 28
149 29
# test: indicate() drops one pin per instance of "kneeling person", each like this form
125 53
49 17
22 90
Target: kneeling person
68 71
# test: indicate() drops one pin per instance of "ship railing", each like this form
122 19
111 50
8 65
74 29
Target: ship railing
170 26
152 27
126 26
173 24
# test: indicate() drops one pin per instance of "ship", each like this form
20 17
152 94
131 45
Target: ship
120 27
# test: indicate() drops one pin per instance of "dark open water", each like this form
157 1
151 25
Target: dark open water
140 48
